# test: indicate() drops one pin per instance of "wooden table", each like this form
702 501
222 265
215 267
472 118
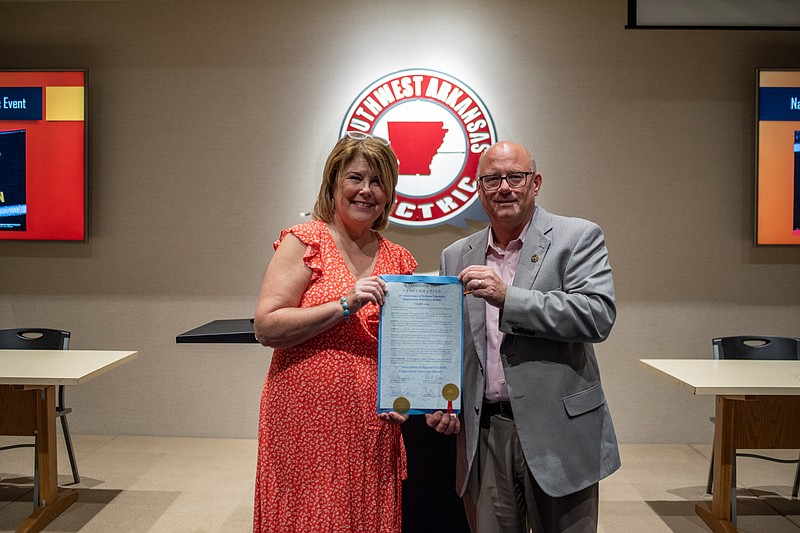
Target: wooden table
28 379
757 406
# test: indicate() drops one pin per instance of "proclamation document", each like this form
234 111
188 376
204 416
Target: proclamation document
420 345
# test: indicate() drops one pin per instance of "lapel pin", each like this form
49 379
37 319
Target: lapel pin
535 258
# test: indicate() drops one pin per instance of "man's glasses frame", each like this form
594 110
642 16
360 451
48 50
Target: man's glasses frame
515 180
360 136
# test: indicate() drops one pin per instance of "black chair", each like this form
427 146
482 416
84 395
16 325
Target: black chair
755 347
42 339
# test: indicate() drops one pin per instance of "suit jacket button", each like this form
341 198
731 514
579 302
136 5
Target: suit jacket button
477 410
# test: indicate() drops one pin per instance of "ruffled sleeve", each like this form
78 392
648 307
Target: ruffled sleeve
309 234
407 262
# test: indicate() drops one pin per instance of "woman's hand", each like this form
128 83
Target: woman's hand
447 423
393 417
366 291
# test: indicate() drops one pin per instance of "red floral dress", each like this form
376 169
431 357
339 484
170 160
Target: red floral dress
326 462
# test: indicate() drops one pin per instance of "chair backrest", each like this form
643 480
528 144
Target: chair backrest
34 339
756 347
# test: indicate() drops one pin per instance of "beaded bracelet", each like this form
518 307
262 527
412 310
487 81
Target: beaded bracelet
343 302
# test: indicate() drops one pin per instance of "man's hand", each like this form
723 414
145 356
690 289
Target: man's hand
483 282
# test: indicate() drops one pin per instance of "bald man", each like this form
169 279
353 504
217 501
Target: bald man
535 435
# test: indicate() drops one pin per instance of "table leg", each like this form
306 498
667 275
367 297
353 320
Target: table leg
52 502
718 518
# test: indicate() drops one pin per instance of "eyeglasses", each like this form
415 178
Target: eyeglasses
360 136
515 180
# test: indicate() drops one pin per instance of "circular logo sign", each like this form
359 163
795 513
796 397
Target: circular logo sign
438 128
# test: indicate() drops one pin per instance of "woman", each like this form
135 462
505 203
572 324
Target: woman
326 460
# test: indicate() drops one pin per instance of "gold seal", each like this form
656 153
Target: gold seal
401 405
450 392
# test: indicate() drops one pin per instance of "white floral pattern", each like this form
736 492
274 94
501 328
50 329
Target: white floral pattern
326 462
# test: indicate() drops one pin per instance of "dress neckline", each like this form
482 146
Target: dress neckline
346 261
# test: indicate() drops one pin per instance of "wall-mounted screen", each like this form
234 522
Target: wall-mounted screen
43 139
778 157
713 14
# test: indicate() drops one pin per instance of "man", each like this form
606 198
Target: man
537 435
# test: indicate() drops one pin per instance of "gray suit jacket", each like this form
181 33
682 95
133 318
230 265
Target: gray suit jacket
561 301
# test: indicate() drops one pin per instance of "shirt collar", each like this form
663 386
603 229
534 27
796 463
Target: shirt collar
513 246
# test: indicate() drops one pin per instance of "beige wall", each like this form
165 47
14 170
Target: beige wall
210 122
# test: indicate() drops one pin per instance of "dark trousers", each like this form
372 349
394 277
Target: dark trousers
503 496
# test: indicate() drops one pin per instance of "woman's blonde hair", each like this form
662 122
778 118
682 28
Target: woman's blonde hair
379 157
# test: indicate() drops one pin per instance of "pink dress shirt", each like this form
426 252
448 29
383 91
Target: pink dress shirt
504 263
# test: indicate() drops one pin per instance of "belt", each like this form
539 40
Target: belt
498 408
